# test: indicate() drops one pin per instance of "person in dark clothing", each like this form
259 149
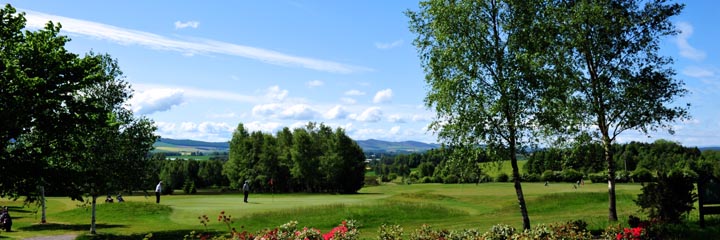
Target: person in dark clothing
246 190
6 220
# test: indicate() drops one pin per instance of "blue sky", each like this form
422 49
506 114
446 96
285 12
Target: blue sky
199 69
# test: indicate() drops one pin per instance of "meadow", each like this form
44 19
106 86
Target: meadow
450 206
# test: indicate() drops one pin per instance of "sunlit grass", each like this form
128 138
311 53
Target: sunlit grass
451 206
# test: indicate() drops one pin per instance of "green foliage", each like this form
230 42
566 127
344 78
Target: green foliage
502 177
600 177
550 176
642 175
310 159
571 175
670 197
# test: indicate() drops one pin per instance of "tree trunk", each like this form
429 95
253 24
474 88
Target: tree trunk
92 221
519 192
42 204
612 208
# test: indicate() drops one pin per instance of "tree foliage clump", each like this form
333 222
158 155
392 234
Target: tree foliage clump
670 197
310 159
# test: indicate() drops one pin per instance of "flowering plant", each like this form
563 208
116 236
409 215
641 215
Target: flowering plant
636 233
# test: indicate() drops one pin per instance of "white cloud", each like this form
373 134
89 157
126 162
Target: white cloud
354 93
223 115
266 110
686 30
204 131
372 114
264 126
276 110
396 118
337 112
388 45
194 92
348 100
299 112
188 24
698 72
394 130
156 100
314 83
276 93
37 20
383 96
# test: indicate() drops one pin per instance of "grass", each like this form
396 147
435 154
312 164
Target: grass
455 206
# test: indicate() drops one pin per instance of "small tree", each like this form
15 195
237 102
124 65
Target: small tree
670 197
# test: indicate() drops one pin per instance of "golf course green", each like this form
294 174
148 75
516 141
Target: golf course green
450 206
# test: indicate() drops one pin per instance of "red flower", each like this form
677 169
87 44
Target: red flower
619 236
636 231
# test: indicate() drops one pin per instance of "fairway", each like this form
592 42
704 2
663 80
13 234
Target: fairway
451 206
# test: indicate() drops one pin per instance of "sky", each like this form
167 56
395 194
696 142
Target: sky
200 69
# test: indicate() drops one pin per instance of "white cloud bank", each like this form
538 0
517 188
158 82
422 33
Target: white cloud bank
36 20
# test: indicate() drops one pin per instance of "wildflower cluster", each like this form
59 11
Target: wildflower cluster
347 230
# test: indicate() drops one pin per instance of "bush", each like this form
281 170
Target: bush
531 177
642 175
622 176
670 197
371 181
550 176
450 179
426 180
600 177
571 175
391 176
437 179
502 177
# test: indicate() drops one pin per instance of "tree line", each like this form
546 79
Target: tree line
313 158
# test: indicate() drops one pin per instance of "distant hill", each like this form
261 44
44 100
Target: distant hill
379 146
370 145
185 145
714 148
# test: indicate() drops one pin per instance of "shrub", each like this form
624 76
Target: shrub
392 232
371 181
571 175
484 178
450 179
600 177
391 176
437 179
642 175
670 197
549 176
500 232
502 177
531 177
622 176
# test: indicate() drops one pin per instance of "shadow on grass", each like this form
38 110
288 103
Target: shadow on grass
18 209
69 227
170 235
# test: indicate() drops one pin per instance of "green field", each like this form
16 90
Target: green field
455 206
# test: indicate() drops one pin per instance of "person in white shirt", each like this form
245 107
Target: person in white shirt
158 190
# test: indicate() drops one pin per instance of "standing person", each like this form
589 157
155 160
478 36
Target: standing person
158 190
246 190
